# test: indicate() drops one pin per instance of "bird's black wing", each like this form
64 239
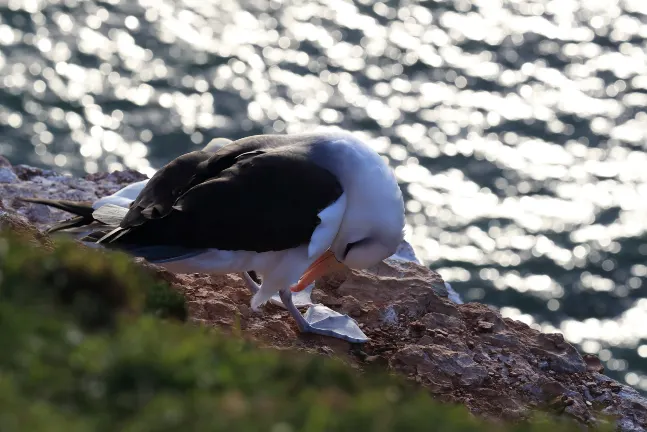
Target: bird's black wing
265 200
181 174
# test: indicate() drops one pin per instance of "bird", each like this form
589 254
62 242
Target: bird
123 197
291 207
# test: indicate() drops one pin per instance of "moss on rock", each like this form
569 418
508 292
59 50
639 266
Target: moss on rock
84 348
95 288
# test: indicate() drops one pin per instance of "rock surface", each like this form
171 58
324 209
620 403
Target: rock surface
462 353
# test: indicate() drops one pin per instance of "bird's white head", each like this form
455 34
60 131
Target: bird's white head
373 222
368 250
360 245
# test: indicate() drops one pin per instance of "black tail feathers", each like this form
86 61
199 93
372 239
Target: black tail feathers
83 213
73 207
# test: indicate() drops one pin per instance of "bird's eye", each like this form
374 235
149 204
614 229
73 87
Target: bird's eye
351 245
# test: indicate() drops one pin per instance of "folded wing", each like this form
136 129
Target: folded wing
242 198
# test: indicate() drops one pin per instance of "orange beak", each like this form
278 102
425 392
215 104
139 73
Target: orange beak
326 263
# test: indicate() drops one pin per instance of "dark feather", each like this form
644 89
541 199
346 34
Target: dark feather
76 208
82 211
94 236
157 198
161 254
74 222
153 254
251 195
113 235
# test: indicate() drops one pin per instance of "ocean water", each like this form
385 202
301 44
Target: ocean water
517 128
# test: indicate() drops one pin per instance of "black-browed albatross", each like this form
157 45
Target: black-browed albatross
289 207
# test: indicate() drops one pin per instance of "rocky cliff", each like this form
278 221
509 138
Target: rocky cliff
462 353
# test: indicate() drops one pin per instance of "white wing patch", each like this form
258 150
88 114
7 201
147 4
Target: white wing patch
326 231
110 214
113 200
123 197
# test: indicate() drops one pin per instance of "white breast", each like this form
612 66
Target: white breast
323 236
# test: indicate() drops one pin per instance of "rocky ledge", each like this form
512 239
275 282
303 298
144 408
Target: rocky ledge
462 353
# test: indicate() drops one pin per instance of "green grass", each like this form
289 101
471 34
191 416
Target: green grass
92 343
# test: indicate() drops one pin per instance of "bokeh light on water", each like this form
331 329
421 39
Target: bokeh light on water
517 128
